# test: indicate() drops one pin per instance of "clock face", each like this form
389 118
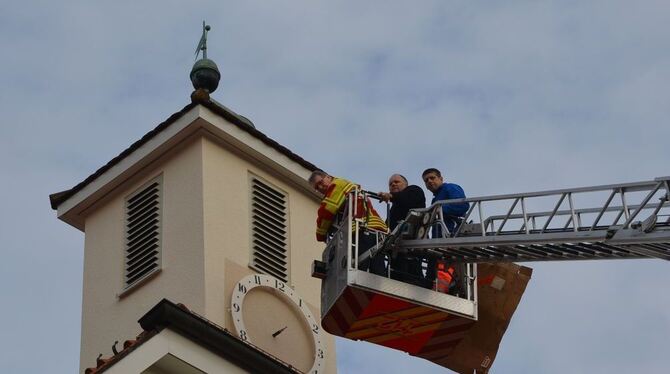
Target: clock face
271 315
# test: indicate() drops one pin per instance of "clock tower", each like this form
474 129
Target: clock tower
207 211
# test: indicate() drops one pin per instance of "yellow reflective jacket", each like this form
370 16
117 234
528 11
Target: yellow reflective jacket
333 202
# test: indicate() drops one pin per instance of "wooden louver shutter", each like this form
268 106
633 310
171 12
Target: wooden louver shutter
143 219
269 231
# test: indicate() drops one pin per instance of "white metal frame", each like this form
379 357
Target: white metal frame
465 307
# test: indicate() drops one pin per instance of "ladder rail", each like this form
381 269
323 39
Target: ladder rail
604 208
587 233
525 216
576 214
465 219
630 187
663 199
573 217
644 202
553 213
577 211
625 210
481 219
511 209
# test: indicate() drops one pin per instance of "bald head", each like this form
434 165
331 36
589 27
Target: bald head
397 183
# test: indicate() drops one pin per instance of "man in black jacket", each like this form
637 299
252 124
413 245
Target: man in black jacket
404 267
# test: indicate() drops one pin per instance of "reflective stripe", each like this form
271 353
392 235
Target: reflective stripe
332 203
444 277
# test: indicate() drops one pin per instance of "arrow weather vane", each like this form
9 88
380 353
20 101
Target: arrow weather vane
202 45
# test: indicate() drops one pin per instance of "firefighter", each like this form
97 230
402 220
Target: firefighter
335 192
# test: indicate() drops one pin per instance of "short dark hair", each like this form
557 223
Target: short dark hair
316 173
431 170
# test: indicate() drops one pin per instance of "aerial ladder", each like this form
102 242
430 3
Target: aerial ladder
618 221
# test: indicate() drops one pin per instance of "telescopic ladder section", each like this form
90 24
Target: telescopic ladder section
620 221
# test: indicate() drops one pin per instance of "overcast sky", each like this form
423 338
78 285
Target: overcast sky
504 97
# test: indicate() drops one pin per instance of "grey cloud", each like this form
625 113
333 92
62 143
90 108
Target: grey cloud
505 97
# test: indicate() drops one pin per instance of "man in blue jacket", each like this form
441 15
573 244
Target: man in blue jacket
453 215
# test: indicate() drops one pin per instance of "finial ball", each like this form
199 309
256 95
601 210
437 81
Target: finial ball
205 74
208 28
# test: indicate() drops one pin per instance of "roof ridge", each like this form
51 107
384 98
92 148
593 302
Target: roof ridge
240 121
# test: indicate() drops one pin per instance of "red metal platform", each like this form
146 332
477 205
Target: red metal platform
449 340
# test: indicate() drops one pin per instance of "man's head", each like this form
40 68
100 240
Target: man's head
397 183
433 179
320 181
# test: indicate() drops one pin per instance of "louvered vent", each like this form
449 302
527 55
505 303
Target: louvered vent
143 216
269 232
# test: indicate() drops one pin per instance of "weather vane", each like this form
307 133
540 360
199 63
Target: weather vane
205 74
202 45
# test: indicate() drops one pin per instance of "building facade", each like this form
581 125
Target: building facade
189 213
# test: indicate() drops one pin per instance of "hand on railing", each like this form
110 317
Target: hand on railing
377 195
385 196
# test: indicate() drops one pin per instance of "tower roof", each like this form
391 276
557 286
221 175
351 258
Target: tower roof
238 121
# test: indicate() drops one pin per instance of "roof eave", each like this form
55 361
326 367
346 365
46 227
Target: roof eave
71 203
218 340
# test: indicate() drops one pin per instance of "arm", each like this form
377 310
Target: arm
454 191
411 197
331 204
324 219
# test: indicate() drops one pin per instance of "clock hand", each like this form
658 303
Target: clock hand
279 331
